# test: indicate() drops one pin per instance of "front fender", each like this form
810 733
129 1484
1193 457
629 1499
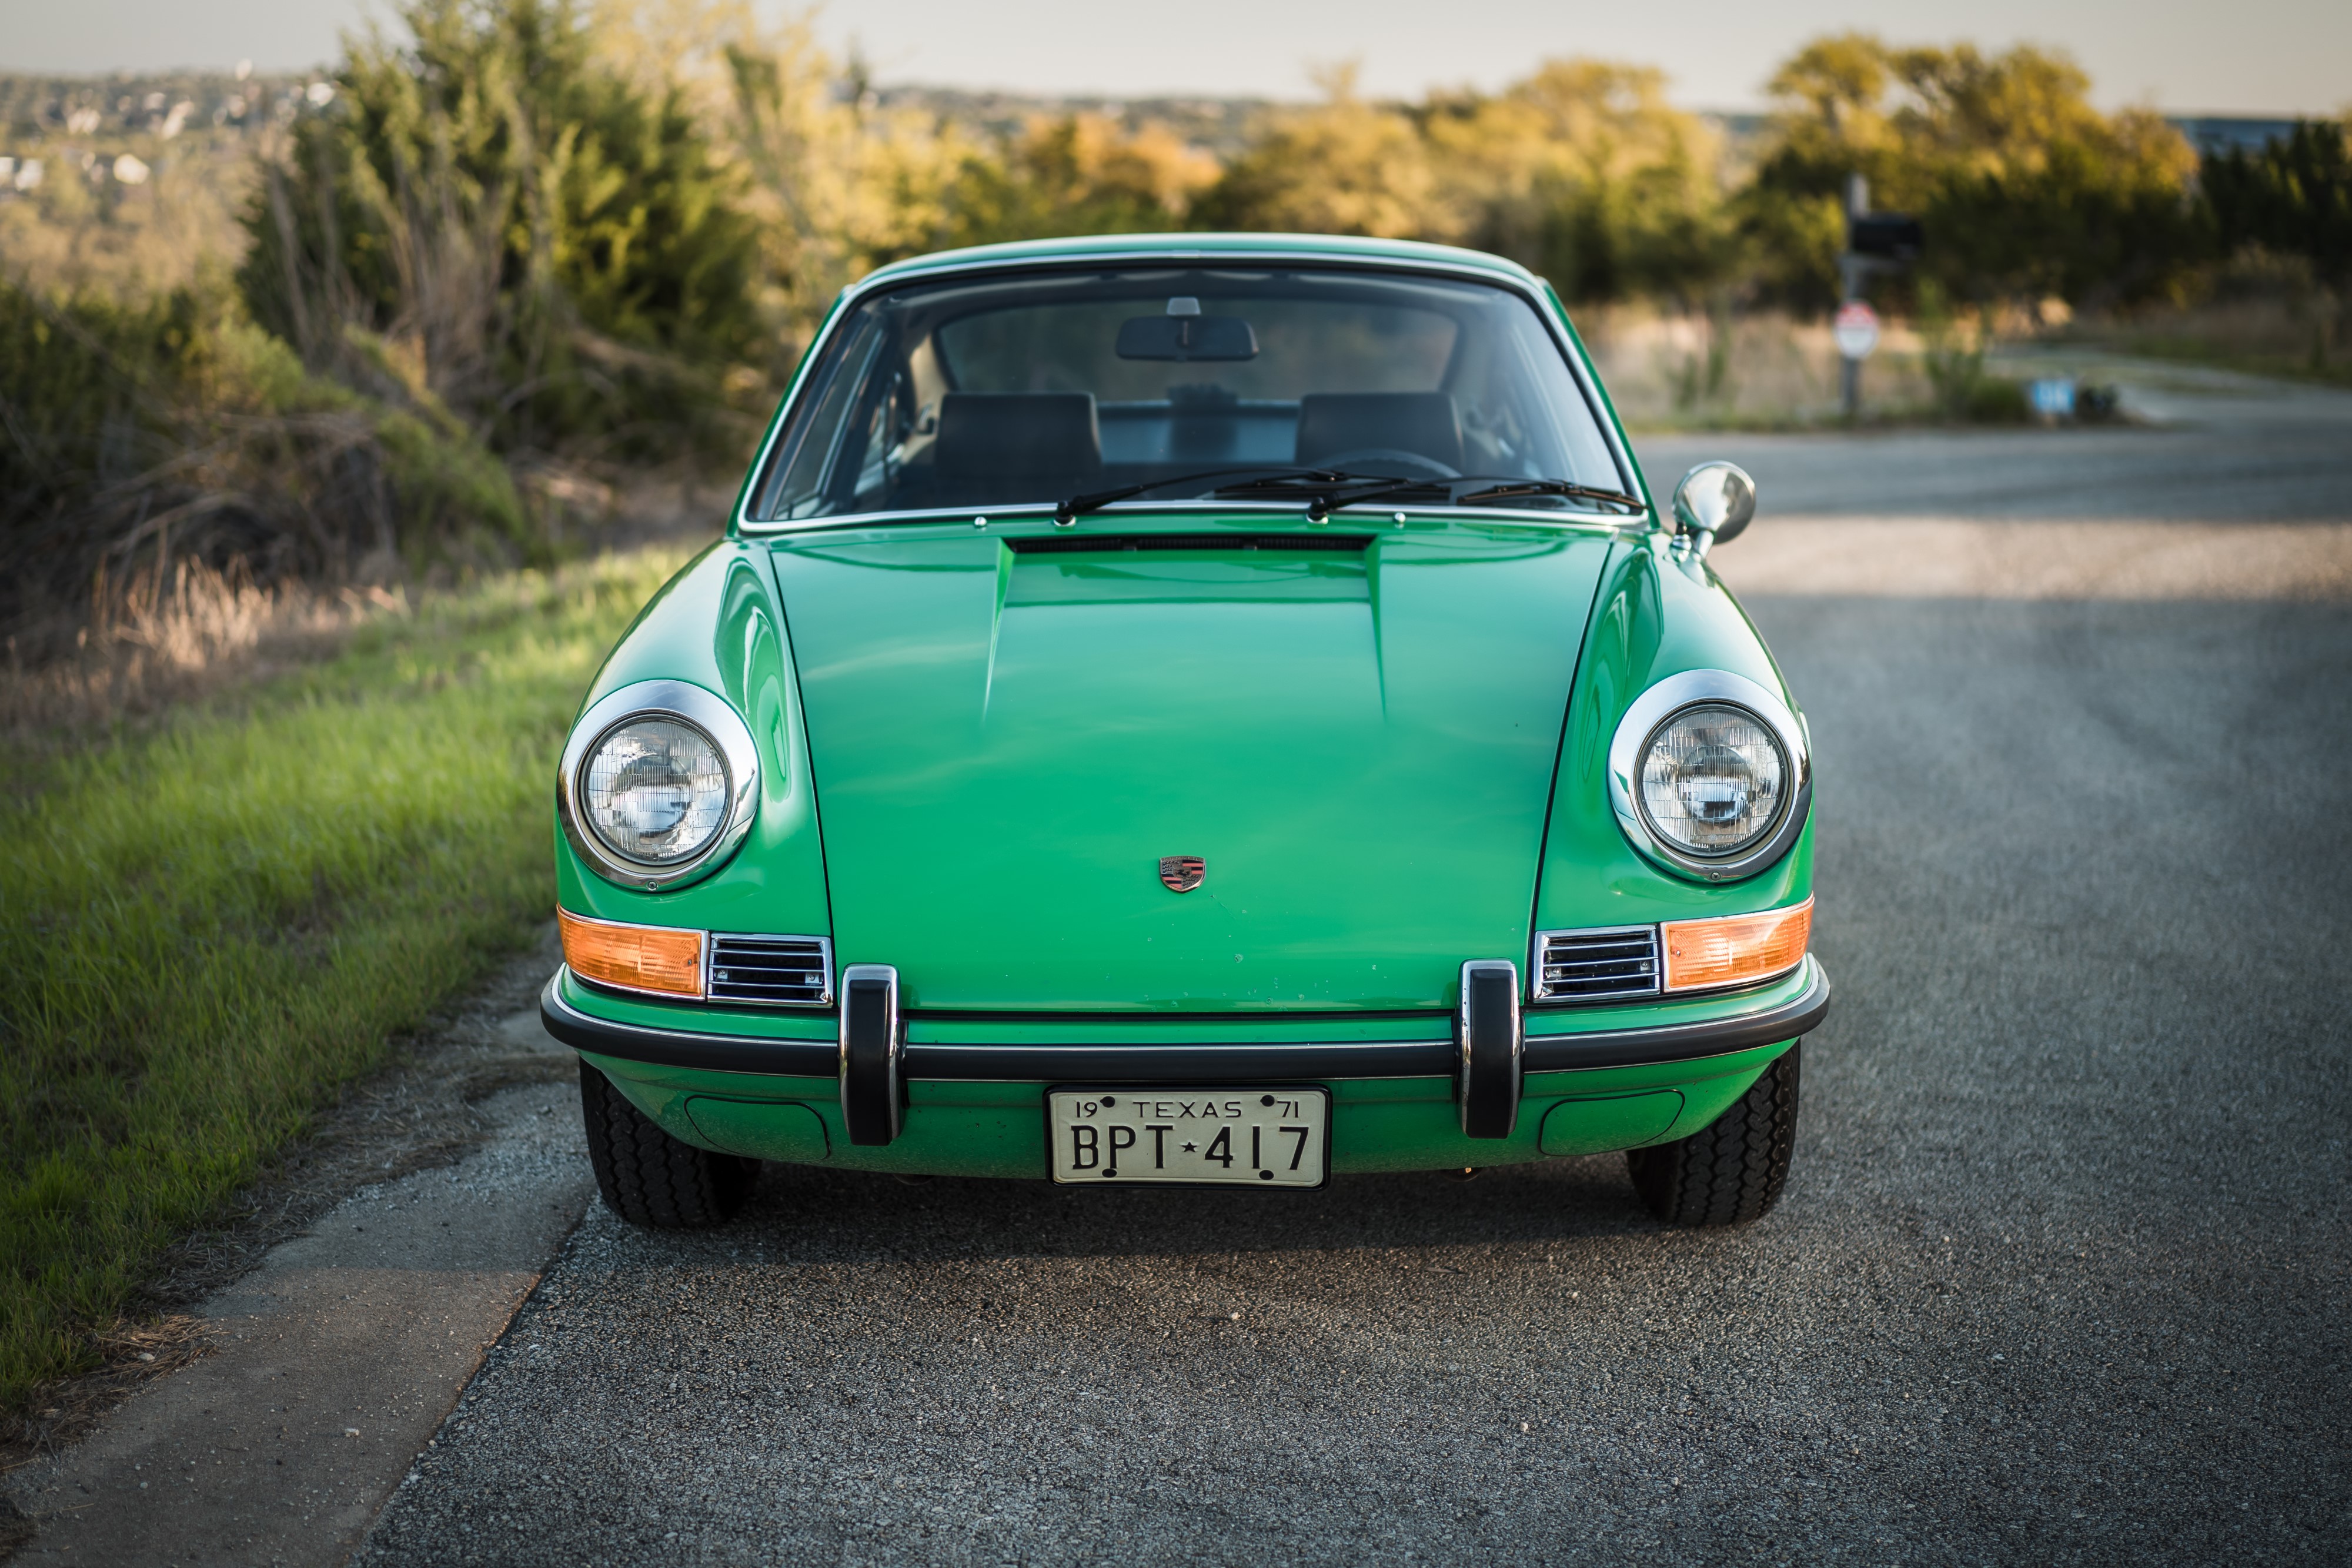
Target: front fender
717 625
1656 615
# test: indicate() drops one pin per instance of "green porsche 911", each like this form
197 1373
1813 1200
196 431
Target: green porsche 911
1215 710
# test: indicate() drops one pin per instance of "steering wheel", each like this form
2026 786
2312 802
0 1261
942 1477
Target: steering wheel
1423 467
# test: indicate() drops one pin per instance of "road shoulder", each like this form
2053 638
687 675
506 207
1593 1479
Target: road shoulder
334 1361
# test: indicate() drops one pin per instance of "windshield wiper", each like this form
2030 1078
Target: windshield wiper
1512 489
1077 506
1327 492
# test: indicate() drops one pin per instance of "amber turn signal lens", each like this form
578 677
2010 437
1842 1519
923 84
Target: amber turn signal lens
640 957
1738 949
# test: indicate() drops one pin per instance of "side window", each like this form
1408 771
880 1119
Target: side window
805 471
1522 412
887 426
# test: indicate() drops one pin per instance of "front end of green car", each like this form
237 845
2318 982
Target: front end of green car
1210 712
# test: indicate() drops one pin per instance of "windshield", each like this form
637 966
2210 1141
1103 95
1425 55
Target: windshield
1029 389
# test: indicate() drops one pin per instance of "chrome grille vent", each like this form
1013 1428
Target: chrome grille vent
772 971
1597 965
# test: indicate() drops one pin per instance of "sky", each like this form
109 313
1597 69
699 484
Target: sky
2250 57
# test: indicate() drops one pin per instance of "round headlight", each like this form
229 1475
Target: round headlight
655 790
1713 779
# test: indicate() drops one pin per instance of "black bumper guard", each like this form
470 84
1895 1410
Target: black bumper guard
1439 1056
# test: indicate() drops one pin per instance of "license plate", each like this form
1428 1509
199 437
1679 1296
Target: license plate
1242 1137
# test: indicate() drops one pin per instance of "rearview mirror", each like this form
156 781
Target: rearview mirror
1713 506
1186 338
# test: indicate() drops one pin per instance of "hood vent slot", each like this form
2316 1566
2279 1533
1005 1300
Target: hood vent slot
772 971
1600 964
1114 544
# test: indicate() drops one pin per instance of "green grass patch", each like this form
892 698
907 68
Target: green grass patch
206 928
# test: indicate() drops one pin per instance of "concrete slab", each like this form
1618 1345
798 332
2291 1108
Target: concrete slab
336 1361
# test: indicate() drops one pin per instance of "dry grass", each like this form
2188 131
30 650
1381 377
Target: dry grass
131 1354
2305 334
164 643
158 642
1763 369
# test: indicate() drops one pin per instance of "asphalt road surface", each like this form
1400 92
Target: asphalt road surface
2204 446
2059 1276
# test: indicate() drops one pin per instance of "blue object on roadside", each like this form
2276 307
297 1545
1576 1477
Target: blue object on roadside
2052 397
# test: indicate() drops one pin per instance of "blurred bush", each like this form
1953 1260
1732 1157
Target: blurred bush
1075 174
1954 361
499 224
1348 166
1584 173
174 428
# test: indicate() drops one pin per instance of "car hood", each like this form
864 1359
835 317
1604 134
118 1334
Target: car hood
1355 733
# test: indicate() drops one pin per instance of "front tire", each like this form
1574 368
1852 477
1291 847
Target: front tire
649 1177
1731 1171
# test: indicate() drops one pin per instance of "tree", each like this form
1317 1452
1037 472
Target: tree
2293 197
1345 166
2024 189
1076 173
1584 173
495 222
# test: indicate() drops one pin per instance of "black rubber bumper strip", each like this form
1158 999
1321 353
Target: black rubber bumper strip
1197 1063
1487 1086
872 1052
1800 1015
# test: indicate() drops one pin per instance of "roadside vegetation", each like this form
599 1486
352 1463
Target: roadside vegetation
215 919
323 399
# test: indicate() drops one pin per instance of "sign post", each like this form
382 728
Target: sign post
1856 331
1875 242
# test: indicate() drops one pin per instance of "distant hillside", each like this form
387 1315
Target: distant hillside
133 103
1219 125
145 103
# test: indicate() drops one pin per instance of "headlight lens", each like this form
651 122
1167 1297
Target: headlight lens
1713 779
656 791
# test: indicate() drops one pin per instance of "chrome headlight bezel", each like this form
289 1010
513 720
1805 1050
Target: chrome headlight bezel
1630 744
708 714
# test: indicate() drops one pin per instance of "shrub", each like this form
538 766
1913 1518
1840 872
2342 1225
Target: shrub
1955 364
173 429
549 248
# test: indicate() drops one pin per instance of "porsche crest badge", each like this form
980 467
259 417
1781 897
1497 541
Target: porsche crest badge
1183 873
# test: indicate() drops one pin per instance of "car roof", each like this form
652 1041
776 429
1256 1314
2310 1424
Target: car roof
1400 253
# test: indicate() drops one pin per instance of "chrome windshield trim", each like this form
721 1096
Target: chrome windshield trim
1588 382
1026 511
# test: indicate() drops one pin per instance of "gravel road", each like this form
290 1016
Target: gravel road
2061 1275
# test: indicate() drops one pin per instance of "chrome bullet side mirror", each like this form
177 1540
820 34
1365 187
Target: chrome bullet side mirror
1712 504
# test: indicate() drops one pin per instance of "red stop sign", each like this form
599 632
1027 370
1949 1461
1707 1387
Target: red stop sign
1856 330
